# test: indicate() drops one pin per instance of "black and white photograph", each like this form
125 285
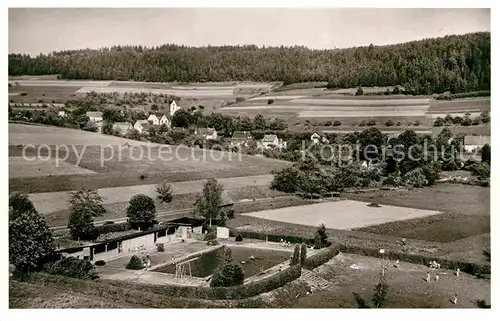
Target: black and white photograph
248 158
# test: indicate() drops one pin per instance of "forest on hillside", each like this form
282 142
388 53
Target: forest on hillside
458 63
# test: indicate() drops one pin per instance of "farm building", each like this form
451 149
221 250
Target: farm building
173 108
272 141
122 127
315 137
473 143
206 133
241 138
179 130
94 116
159 119
142 125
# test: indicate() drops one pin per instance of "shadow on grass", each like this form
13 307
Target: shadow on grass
360 301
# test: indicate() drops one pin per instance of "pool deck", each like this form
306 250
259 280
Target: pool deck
115 269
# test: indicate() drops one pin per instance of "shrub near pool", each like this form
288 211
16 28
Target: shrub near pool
220 293
135 263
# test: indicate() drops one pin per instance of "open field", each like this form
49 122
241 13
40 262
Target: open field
58 94
57 201
59 91
445 227
451 198
21 167
342 215
120 165
465 104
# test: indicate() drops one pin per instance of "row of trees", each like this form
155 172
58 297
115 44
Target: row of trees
457 63
483 118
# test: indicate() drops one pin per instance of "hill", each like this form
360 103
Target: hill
457 63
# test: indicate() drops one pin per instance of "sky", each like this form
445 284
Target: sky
43 30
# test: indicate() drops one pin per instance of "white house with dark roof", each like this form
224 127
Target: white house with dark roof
142 125
173 108
122 127
272 141
473 143
159 119
315 137
207 133
241 138
94 116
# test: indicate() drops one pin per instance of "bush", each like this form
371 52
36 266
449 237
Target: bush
231 274
24 94
303 254
239 238
336 123
211 234
270 101
323 236
100 263
359 92
270 237
482 170
321 257
389 123
112 227
212 243
73 268
160 247
239 99
135 263
296 256
317 241
415 178
164 191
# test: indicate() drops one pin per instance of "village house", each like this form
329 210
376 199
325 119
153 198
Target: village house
61 113
159 119
207 133
94 116
142 125
473 143
122 127
173 108
272 141
315 137
180 130
241 138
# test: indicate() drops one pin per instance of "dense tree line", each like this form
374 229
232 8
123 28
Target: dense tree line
458 63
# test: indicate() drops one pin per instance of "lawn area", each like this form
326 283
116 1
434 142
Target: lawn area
34 296
451 198
441 228
354 278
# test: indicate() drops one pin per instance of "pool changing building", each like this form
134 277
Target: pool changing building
178 230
